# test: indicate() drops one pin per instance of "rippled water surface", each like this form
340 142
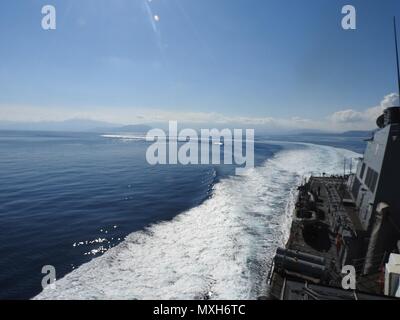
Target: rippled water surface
115 227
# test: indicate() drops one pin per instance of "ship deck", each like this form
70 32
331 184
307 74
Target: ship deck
322 243
321 203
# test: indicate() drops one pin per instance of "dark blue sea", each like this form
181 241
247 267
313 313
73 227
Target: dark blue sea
115 227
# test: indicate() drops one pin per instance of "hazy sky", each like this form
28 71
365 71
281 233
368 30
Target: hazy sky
277 63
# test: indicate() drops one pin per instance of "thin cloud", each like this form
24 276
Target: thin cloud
363 119
343 120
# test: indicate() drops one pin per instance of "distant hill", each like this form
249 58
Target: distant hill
308 132
353 133
130 128
357 133
72 125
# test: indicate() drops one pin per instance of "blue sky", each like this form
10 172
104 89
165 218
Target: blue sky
256 62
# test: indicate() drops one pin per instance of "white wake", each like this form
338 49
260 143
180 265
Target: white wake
219 250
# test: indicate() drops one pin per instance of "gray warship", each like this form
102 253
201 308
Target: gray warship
349 222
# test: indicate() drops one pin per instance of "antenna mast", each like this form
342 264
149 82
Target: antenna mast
397 55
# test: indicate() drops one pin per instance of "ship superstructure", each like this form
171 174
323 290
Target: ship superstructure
347 221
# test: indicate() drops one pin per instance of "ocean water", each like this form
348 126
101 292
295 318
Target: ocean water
115 227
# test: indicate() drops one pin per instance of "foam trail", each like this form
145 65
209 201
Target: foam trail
124 137
219 250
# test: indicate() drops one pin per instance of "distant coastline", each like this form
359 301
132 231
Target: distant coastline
72 125
84 125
